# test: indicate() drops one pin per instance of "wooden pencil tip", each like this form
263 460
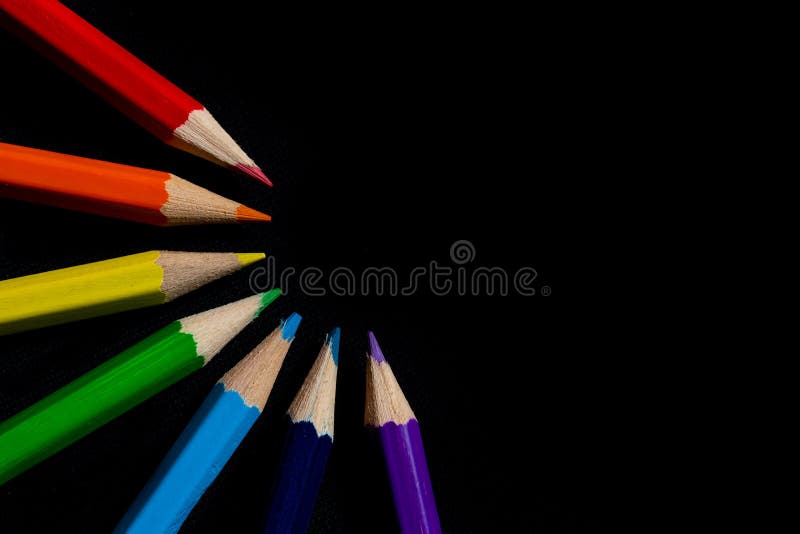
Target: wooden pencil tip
374 349
289 326
254 171
247 258
243 213
333 341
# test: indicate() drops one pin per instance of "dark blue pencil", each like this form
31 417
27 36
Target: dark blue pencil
308 444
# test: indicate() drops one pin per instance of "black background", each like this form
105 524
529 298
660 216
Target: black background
389 134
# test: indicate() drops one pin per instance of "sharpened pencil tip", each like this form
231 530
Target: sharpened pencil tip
255 172
333 341
243 213
289 326
267 298
375 349
246 258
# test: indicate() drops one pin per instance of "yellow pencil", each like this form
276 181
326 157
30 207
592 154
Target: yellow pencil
110 286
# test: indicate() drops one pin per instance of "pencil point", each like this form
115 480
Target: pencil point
333 341
289 326
375 349
243 213
267 298
247 258
254 171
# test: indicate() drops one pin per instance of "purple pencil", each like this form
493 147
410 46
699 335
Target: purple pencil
388 411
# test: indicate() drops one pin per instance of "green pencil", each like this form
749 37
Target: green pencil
121 383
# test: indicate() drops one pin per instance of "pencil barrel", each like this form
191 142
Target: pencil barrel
80 292
409 478
95 398
191 465
303 460
101 64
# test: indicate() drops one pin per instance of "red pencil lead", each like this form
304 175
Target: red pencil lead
255 172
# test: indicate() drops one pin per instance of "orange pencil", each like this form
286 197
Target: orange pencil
113 190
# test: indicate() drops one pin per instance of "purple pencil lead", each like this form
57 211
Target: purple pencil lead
374 349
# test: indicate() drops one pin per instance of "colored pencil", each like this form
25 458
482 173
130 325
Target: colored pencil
387 410
124 81
110 286
308 445
113 190
210 438
121 383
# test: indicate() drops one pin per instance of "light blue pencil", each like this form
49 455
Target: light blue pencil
210 438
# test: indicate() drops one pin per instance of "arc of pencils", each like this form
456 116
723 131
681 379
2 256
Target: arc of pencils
113 190
388 411
110 286
308 445
210 438
124 81
121 383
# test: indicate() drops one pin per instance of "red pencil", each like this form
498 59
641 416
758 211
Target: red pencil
124 81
